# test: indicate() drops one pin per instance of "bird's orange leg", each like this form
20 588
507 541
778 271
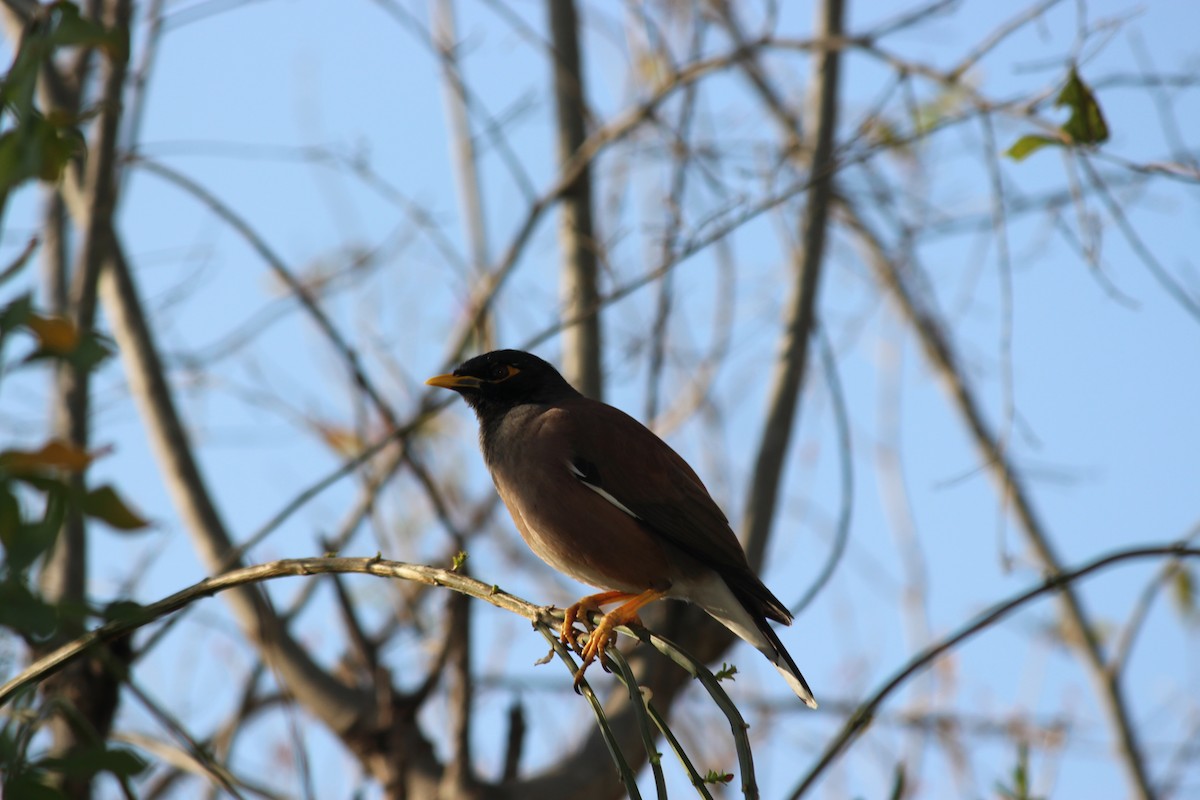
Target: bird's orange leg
621 615
580 610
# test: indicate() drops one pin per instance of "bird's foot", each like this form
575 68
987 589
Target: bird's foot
595 646
580 612
625 614
567 634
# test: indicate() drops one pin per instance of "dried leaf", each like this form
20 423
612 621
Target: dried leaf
1183 591
342 440
54 454
55 334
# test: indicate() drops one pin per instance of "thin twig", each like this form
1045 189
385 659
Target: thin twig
693 775
1174 289
638 702
431 576
846 460
610 739
861 719
579 265
939 351
801 308
737 724
1123 646
195 751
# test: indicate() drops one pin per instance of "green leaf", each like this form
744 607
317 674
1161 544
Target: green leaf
19 87
1086 124
1020 787
1084 127
899 782
712 776
36 149
106 505
41 147
123 763
60 143
46 484
68 28
88 761
52 26
25 613
29 786
29 540
124 611
10 513
92 351
16 313
1028 145
726 672
89 353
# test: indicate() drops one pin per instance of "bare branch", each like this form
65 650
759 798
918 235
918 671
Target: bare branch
338 705
792 359
459 775
845 451
462 143
940 353
514 742
860 720
65 572
1186 300
579 279
238 579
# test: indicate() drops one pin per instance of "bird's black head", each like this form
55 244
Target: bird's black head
500 380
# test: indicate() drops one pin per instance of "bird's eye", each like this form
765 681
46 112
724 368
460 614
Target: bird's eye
501 372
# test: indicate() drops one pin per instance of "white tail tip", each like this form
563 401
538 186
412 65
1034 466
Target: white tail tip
797 686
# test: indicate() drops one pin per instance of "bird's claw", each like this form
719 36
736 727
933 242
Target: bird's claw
578 612
600 635
594 649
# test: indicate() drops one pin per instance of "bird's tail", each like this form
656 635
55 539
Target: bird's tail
744 615
783 662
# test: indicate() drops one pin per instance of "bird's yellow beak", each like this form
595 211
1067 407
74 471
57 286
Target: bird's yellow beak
452 381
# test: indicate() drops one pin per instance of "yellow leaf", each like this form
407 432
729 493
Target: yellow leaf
52 455
56 334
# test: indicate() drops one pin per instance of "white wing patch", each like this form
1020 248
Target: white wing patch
575 471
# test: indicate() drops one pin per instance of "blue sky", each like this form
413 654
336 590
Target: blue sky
1104 389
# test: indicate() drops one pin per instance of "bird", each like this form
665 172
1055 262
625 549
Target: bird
601 498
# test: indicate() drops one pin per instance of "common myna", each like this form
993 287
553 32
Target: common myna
599 497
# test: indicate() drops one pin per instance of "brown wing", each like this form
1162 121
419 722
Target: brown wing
618 454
